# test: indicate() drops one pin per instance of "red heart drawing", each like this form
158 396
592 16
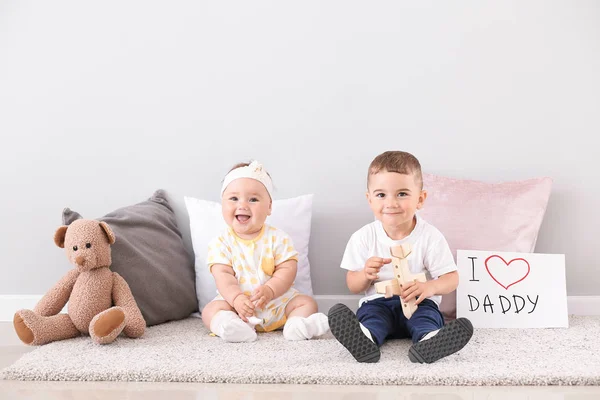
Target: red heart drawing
507 264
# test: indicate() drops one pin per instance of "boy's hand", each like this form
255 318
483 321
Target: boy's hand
261 296
421 289
243 306
373 265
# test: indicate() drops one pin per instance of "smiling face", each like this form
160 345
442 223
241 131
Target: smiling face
394 199
246 204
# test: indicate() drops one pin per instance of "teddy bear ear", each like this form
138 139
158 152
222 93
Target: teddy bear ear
59 236
109 233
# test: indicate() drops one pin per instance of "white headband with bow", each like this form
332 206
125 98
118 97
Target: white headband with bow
253 171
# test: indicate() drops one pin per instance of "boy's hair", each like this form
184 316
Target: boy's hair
396 161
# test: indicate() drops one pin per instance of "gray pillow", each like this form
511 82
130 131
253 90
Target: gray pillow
149 254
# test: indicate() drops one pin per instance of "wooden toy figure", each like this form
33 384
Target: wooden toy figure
402 276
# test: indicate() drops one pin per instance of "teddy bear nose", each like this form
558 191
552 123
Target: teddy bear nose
80 260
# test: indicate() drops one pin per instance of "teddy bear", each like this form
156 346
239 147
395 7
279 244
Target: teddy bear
100 301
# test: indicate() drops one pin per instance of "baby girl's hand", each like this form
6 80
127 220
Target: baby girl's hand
243 306
261 296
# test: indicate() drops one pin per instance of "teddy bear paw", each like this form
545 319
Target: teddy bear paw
20 322
106 326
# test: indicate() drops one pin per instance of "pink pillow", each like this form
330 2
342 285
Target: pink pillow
476 215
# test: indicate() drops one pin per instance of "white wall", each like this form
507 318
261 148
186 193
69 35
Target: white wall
102 103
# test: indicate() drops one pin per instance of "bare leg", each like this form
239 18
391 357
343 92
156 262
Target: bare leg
36 330
304 322
301 306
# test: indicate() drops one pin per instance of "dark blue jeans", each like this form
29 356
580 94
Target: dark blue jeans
385 320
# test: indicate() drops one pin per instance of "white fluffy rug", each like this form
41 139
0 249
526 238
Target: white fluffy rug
184 352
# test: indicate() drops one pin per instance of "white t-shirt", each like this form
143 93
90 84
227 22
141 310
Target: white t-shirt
430 253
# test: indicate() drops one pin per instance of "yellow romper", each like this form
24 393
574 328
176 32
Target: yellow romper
253 262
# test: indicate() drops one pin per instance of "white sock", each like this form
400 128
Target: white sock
300 328
429 335
366 332
229 327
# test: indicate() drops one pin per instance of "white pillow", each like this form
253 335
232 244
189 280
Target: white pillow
293 216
